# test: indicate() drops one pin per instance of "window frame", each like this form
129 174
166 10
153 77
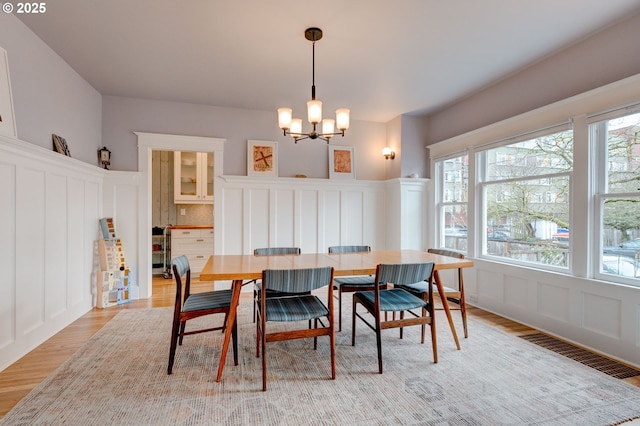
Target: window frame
482 183
598 145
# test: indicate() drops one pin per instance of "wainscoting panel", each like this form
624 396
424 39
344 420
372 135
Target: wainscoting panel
56 272
490 288
602 315
553 301
258 212
307 220
515 291
50 205
353 215
331 217
316 213
283 218
30 251
7 248
230 237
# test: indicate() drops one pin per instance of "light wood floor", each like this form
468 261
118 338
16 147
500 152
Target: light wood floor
18 379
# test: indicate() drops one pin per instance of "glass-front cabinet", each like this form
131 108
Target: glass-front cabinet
193 177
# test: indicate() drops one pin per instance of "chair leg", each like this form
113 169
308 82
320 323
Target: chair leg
463 310
353 323
424 314
258 334
183 325
332 342
264 355
234 337
434 343
255 305
340 309
315 339
379 343
174 343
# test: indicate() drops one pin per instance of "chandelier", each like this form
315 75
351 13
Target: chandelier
293 126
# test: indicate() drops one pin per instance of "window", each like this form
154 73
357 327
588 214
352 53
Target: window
453 178
617 147
526 199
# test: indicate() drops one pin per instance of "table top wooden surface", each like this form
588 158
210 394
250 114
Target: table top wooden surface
249 266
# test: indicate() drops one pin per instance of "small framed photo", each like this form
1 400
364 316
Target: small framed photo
60 145
262 158
341 162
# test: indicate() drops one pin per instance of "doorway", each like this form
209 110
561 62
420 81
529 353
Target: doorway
147 144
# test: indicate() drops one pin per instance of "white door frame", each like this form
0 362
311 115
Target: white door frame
147 143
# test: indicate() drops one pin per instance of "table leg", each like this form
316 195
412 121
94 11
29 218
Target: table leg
235 299
445 305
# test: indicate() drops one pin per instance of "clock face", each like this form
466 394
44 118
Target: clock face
104 156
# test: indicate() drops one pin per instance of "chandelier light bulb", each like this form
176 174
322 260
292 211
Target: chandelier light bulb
328 126
296 126
284 118
314 111
342 119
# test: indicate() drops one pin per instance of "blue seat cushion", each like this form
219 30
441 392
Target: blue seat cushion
299 308
207 300
395 299
415 288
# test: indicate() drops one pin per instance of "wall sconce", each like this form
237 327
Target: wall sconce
104 156
386 151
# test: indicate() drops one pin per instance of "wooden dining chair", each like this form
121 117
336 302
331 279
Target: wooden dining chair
454 292
351 284
396 300
269 251
299 306
193 305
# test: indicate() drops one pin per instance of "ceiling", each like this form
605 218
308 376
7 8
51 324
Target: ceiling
380 58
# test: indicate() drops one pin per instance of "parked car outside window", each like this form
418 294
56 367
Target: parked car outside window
629 248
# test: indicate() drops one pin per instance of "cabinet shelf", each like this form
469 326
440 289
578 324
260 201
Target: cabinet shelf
193 177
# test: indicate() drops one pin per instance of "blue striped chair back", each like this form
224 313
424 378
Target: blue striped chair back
349 249
446 252
297 280
276 250
182 265
405 273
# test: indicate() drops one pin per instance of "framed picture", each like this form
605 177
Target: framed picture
60 145
341 162
262 158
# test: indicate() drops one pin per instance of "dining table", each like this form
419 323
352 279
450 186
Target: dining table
240 268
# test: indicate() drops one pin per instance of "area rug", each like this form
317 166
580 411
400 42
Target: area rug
119 377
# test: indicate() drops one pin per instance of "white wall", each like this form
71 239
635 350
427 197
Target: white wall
48 95
124 116
603 58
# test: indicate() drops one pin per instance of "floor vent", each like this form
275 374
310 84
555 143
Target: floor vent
583 356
